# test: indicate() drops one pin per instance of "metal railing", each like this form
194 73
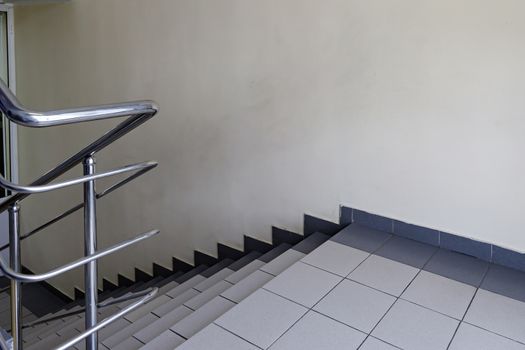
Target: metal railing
137 113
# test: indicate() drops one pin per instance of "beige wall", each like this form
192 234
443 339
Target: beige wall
270 109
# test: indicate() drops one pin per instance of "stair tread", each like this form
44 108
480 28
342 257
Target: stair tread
212 280
157 327
245 271
282 262
128 344
198 319
128 331
236 265
205 296
175 302
247 286
185 286
216 268
311 242
167 340
146 308
275 252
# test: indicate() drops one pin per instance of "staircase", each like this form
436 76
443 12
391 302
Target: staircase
185 304
360 288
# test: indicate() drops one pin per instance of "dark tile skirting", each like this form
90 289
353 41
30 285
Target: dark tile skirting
484 251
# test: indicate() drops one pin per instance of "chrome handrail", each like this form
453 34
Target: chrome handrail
20 115
136 118
79 206
21 277
108 320
137 113
46 188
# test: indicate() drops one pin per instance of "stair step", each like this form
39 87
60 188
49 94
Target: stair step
282 262
212 280
208 294
167 340
175 302
245 260
202 317
185 305
155 328
128 331
129 344
245 271
249 278
247 286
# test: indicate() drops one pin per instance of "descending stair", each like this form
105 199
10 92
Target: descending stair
186 303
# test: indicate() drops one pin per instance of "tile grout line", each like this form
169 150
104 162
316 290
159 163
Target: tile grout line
468 307
492 332
236 335
313 306
397 299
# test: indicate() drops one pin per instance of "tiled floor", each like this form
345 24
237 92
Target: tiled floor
369 290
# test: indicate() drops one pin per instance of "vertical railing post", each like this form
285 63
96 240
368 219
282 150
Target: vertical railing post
90 247
15 262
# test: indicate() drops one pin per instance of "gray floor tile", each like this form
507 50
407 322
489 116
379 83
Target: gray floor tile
441 294
311 242
215 338
356 305
146 308
261 318
247 286
282 262
244 271
459 267
165 322
336 258
175 302
303 284
469 337
498 314
406 251
505 281
315 331
361 237
372 343
185 286
200 318
128 344
167 340
410 326
127 332
210 293
212 280
384 274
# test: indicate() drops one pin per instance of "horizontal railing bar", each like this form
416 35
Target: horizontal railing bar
100 143
20 115
81 205
74 264
103 304
108 320
51 187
